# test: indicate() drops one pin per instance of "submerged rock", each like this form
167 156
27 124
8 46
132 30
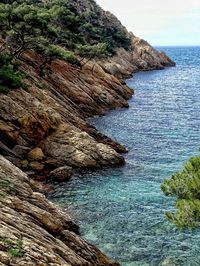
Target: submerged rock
36 166
170 261
62 173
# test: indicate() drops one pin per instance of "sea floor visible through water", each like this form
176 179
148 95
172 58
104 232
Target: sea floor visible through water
121 210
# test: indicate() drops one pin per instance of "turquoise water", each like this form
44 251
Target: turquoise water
121 210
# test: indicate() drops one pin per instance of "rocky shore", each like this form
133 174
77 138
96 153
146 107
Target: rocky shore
33 231
44 127
44 133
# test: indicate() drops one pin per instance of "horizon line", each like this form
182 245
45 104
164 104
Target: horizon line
176 45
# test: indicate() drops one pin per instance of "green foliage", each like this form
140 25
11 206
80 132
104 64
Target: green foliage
55 51
5 184
10 76
49 53
24 25
13 247
2 194
5 187
92 51
20 24
185 186
56 29
115 38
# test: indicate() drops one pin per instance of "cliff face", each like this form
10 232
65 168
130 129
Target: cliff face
51 112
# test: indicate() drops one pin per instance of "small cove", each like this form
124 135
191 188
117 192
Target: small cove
121 210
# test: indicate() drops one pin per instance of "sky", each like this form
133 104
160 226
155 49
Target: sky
160 22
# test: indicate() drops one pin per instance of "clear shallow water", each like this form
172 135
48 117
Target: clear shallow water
121 210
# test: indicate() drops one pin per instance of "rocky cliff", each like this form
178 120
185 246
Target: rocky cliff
33 231
51 113
44 132
49 116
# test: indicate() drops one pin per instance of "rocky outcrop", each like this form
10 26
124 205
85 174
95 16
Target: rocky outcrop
69 145
49 117
33 231
46 124
141 57
61 173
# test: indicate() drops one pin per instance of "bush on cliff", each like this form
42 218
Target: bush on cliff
89 52
48 53
10 76
185 186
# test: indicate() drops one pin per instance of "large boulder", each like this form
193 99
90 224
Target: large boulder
71 146
36 154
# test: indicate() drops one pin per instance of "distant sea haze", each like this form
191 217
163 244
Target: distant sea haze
121 210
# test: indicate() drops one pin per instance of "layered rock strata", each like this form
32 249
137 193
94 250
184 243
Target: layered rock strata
33 231
51 113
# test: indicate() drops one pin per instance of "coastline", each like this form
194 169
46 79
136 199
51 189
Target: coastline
55 107
16 200
44 133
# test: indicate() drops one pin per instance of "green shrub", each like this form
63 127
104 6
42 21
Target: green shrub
60 53
13 247
185 186
10 76
24 23
6 187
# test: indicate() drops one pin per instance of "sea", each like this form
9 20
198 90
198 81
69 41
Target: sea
121 209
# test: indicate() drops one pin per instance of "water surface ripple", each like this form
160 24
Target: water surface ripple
121 210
